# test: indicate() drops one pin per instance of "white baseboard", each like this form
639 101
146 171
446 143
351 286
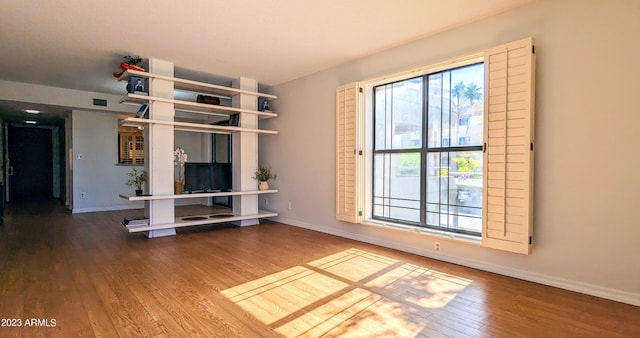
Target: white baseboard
571 285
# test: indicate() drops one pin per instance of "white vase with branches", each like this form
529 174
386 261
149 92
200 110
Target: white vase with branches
179 159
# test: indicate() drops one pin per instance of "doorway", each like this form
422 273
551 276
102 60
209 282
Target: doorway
31 162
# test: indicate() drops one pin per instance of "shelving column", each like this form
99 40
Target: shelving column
245 153
159 150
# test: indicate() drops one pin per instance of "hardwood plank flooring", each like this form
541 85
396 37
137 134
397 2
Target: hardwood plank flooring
272 280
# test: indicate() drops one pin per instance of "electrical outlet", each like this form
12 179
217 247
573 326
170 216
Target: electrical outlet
289 205
436 246
82 194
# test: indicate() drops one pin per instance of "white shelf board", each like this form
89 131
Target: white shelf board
193 127
195 107
179 222
196 195
194 86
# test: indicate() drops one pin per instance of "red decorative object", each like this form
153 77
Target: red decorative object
124 66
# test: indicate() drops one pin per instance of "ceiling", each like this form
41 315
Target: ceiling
77 44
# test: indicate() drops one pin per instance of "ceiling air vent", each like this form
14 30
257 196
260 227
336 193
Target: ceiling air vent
100 102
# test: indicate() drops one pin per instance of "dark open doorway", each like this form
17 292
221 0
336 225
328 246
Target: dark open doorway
30 167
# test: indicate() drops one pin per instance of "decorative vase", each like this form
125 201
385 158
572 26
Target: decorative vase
177 187
263 185
138 192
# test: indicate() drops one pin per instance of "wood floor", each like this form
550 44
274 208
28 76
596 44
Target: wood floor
84 276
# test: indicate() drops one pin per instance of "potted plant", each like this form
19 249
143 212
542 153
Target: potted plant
137 179
130 63
263 174
133 60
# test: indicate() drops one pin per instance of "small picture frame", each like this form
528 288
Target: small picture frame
263 104
136 85
142 111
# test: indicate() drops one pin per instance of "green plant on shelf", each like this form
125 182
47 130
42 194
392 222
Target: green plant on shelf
136 178
264 174
133 60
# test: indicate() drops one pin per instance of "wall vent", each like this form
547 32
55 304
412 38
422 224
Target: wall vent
100 102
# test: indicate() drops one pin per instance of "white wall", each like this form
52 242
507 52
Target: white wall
587 185
196 145
95 136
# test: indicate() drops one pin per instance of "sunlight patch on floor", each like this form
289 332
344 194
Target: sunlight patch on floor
423 287
353 264
279 295
361 311
352 292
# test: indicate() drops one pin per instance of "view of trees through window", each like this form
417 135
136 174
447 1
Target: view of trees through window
428 135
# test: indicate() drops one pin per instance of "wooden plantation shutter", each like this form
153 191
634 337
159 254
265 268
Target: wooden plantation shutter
348 154
130 143
508 158
131 148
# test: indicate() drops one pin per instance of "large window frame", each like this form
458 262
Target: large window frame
508 148
440 203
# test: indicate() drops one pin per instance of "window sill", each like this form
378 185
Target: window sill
431 232
129 165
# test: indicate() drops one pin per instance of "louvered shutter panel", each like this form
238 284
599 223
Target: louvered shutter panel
138 153
508 158
347 158
125 151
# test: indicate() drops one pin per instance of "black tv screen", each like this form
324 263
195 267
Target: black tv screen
204 177
221 176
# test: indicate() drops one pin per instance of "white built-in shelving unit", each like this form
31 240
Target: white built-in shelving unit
195 107
163 222
193 127
196 195
194 86
188 221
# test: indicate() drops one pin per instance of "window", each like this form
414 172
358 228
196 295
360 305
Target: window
130 145
420 179
439 148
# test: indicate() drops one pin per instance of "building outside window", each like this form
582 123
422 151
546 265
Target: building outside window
427 156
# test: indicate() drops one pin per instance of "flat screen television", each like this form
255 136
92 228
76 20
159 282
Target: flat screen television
207 177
